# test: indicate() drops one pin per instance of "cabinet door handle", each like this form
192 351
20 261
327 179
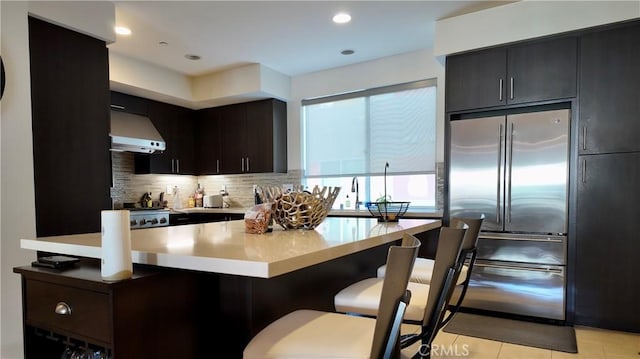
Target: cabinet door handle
63 308
500 85
511 88
217 166
177 166
242 165
173 169
118 107
584 137
584 171
248 164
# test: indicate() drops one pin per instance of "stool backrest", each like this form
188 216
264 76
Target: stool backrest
447 254
400 260
471 236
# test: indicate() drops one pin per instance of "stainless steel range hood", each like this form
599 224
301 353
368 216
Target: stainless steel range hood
134 133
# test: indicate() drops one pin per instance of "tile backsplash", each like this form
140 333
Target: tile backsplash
129 187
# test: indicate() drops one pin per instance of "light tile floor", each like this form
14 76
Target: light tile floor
593 343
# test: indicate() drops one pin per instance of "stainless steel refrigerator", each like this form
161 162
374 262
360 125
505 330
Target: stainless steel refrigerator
514 169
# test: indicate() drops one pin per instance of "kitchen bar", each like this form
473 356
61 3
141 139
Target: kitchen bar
245 281
224 247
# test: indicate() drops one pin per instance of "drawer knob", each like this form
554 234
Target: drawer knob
63 308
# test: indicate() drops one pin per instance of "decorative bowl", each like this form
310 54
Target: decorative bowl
387 211
303 209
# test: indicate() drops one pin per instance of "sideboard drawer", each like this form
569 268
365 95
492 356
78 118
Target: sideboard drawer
89 311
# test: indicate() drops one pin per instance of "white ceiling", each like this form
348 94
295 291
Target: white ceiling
291 37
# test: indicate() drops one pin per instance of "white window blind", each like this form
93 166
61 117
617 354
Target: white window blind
355 134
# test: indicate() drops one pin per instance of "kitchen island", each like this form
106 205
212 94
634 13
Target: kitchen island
245 281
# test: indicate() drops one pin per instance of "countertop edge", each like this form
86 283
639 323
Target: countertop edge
334 212
242 267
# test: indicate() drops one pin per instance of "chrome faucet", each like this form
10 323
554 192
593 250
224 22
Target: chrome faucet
355 188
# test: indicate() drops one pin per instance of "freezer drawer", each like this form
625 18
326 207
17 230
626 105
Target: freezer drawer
522 289
523 249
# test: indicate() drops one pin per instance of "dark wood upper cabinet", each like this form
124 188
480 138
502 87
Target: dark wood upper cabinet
233 131
70 123
610 90
531 72
476 80
542 71
607 243
176 126
242 138
130 104
207 141
266 130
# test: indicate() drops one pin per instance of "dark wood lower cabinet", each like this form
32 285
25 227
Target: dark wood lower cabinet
176 219
153 315
607 242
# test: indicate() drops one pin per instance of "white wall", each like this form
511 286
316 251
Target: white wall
17 213
146 80
526 20
392 70
87 17
240 84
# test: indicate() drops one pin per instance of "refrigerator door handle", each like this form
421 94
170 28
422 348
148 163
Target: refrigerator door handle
547 239
527 268
498 207
509 166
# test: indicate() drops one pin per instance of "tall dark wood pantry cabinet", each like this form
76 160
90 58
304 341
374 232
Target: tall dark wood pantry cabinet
70 120
608 194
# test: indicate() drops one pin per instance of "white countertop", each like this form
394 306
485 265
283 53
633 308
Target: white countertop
224 247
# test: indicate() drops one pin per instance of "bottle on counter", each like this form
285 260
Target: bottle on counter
347 202
198 196
177 202
226 201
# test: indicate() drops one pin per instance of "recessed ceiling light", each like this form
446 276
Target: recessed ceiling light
192 57
121 30
341 18
347 52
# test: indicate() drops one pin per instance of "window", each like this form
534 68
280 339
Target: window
356 134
